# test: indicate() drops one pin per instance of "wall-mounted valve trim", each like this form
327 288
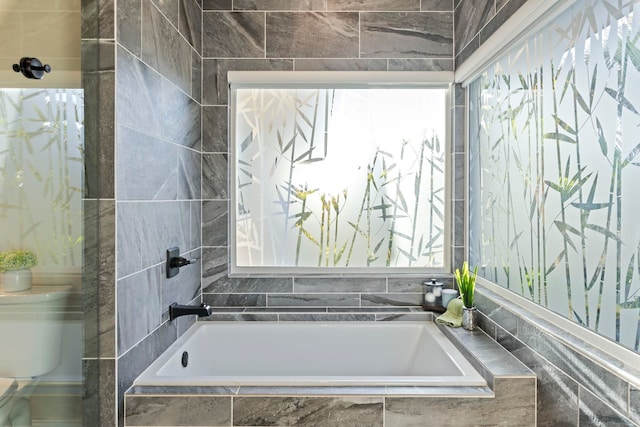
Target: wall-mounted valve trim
32 68
175 261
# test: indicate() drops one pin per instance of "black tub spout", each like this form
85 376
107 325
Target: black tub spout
176 310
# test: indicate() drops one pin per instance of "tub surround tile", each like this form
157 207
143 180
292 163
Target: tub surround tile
503 13
97 19
180 117
214 176
129 25
217 4
420 64
338 284
215 74
98 396
595 412
330 64
141 112
472 16
214 222
235 300
233 34
196 77
178 411
411 317
400 299
135 179
170 9
190 23
317 35
308 411
214 129
386 5
163 48
241 317
195 213
406 34
634 403
279 4
414 284
312 300
189 175
249 285
436 5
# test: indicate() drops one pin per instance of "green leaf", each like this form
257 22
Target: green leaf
632 155
620 99
601 139
557 136
604 232
556 262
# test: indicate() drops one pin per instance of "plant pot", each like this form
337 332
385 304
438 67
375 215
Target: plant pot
16 280
469 318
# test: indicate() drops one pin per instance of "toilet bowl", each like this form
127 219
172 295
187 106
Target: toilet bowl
31 325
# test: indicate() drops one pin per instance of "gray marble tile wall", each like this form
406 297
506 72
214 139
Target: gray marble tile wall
476 21
373 35
574 388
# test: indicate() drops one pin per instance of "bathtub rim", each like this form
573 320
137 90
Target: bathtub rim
472 377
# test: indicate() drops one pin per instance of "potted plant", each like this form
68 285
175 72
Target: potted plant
15 273
467 285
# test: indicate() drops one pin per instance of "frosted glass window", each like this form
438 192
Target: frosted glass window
339 178
554 169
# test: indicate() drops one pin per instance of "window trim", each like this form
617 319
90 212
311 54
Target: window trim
338 79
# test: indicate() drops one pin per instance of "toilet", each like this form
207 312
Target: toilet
31 324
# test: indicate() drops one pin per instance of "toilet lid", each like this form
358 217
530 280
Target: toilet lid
8 387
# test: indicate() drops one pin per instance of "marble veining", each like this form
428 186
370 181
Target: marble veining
214 176
343 284
406 35
190 23
313 300
214 223
214 130
331 64
316 34
233 34
279 4
420 64
385 5
129 25
474 14
178 411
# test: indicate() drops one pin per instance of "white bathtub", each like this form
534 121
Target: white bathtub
312 354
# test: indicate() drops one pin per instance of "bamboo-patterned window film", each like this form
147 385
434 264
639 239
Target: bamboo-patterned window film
554 168
330 178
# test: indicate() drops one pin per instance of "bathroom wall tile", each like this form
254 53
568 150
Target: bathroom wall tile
141 112
503 317
129 240
595 412
163 48
190 23
183 288
214 265
180 117
170 9
458 222
129 25
233 34
592 376
420 64
386 5
196 77
195 235
459 171
316 35
99 379
136 319
312 300
459 255
98 80
634 404
414 284
215 74
466 52
392 299
225 284
136 360
425 316
178 411
97 19
329 64
406 35
514 405
98 279
241 317
214 129
308 411
279 4
458 134
470 17
326 317
214 222
338 284
235 300
217 4
500 17
136 180
214 176
436 5
189 174
52 33
460 94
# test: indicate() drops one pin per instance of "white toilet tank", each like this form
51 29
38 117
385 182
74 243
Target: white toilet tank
31 324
